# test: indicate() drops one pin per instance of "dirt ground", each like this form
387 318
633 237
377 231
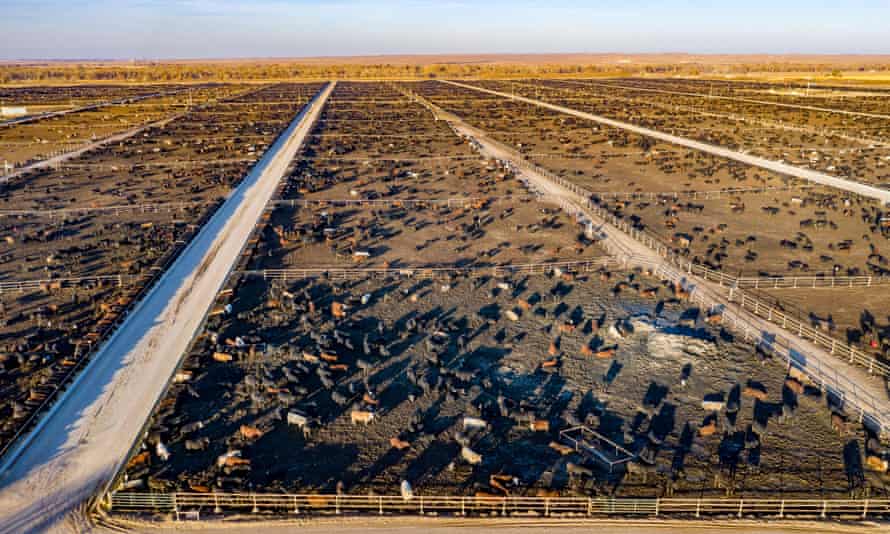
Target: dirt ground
782 232
46 331
529 356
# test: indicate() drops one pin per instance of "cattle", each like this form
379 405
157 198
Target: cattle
794 385
563 450
162 451
552 363
472 457
361 416
708 429
605 353
406 490
231 458
539 425
139 460
318 501
578 470
876 463
222 357
799 375
474 422
553 350
839 423
754 393
713 405
714 319
197 444
250 432
399 444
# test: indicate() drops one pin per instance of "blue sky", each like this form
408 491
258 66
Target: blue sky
288 28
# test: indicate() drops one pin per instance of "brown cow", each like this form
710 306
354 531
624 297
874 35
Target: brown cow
605 353
361 416
754 393
794 385
539 425
708 429
250 432
399 444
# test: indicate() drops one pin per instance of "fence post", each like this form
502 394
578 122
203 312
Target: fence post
865 509
421 505
380 504
782 509
657 505
741 505
824 509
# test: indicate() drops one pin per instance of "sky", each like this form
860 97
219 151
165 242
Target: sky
158 29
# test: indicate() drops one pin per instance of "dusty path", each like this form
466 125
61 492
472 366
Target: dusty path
861 391
774 166
80 444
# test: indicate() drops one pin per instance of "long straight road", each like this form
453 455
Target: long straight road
781 168
864 395
80 444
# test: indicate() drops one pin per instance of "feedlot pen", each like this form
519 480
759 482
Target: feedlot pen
354 389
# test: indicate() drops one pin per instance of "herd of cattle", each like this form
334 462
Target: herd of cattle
467 382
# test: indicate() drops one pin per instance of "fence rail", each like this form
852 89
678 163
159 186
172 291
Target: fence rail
452 202
786 282
835 347
59 283
436 272
228 503
115 210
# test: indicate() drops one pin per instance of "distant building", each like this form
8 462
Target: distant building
13 111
